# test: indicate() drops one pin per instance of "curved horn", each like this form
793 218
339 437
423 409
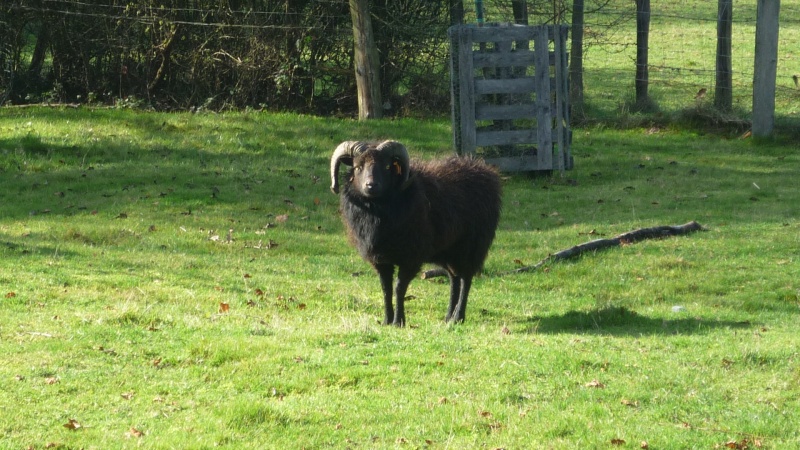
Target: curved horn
344 154
398 151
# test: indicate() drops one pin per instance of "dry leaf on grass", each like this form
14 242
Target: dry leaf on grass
133 432
72 424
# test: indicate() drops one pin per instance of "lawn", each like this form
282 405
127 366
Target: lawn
183 281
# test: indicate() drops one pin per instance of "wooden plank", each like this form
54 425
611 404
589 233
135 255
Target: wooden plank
509 32
543 111
515 163
467 95
565 117
503 33
565 100
486 111
505 137
505 86
560 43
455 88
516 58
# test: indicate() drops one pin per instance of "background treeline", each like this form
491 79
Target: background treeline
282 55
297 55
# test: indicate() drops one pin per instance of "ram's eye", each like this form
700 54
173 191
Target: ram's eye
388 167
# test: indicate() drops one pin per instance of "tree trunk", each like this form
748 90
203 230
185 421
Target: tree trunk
642 45
39 52
520 9
765 67
723 91
367 63
576 56
456 12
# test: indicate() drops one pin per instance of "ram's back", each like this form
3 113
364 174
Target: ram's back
447 215
465 201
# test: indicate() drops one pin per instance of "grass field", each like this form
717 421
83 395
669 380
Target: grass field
183 281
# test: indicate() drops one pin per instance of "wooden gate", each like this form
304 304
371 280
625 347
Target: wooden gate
510 102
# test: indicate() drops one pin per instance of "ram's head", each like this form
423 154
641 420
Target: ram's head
377 168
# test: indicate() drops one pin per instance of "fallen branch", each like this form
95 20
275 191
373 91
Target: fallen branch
598 244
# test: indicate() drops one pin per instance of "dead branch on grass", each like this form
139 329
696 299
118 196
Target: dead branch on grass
597 244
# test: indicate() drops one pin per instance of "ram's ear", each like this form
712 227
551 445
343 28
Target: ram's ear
397 167
399 155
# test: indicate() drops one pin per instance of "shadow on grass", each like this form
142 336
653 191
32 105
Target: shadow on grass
621 321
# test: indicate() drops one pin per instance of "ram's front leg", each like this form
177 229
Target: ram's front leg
404 277
386 274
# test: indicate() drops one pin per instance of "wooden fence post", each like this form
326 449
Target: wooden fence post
642 49
723 90
367 64
765 67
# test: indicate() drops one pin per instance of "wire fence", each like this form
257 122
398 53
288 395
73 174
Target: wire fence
682 55
298 55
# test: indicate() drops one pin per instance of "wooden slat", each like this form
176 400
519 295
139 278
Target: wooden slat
505 86
484 111
516 163
560 41
505 137
455 88
503 33
544 113
517 58
511 33
467 97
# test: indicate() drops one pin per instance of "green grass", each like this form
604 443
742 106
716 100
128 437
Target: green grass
115 258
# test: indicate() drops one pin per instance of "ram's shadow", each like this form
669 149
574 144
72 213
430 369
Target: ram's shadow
621 321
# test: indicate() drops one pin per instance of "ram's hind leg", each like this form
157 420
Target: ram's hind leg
459 291
455 290
386 274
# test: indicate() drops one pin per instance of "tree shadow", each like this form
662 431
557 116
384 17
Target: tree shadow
15 250
621 321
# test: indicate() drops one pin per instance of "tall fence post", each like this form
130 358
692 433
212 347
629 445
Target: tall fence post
367 65
765 67
723 90
642 50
